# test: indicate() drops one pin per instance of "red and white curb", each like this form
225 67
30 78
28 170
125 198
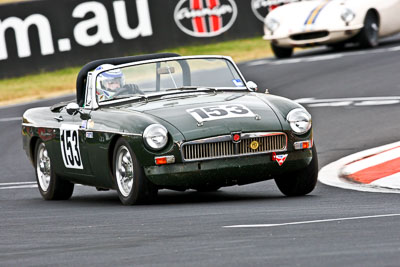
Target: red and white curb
372 170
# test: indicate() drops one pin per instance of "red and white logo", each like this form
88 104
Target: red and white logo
279 158
205 18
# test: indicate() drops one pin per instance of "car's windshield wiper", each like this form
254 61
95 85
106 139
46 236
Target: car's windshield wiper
190 88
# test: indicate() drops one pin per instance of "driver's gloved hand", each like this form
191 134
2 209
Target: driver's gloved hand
131 88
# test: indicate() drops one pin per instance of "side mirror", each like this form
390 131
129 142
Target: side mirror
72 108
252 86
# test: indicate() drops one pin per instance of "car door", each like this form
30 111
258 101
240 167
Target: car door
69 147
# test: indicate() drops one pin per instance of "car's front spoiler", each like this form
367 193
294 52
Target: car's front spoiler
226 172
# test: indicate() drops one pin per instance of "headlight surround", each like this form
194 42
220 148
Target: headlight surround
347 15
272 24
155 136
299 120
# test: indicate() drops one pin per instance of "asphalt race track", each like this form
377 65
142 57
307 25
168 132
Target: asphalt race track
330 227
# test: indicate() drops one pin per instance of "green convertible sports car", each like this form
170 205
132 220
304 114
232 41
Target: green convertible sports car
150 122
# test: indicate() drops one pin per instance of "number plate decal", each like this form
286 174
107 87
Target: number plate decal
69 140
220 112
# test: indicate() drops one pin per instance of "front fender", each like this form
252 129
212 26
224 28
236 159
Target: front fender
131 125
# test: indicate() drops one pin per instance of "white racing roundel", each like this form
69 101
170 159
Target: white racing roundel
205 18
220 112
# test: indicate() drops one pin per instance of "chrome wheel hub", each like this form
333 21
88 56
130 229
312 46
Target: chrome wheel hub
375 27
373 32
43 167
124 171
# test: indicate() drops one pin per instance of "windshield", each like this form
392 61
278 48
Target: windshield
167 76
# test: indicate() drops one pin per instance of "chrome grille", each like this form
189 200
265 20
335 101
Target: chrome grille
223 146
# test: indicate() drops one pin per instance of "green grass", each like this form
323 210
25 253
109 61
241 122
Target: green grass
239 50
63 81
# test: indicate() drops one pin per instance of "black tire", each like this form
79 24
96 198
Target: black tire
133 187
369 34
51 186
301 182
282 52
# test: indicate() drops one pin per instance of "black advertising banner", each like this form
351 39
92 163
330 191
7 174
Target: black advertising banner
48 35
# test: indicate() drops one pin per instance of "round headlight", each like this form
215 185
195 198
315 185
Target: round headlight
347 15
155 136
272 24
299 120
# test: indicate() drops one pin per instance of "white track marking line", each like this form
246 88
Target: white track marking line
259 62
11 119
330 174
371 161
372 98
332 104
356 101
306 59
310 222
377 103
16 183
327 57
19 186
397 48
287 61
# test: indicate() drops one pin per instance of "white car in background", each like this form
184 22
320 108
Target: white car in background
330 22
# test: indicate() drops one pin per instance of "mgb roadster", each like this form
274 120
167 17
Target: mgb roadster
163 121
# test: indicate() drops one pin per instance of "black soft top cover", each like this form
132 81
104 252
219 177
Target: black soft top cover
81 79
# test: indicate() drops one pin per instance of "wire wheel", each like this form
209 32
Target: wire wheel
372 29
130 181
124 172
50 185
43 167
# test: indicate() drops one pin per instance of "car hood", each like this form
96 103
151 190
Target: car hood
309 15
176 110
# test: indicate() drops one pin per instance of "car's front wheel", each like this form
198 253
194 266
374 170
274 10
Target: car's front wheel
281 52
51 186
300 182
132 184
369 34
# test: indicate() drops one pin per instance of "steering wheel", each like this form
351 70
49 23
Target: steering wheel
129 89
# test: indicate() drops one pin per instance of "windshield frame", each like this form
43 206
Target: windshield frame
93 103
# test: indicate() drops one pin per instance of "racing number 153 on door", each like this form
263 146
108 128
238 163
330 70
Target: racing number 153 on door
69 138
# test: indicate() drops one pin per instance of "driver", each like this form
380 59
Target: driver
109 82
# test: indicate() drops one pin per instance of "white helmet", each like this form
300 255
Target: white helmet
110 80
